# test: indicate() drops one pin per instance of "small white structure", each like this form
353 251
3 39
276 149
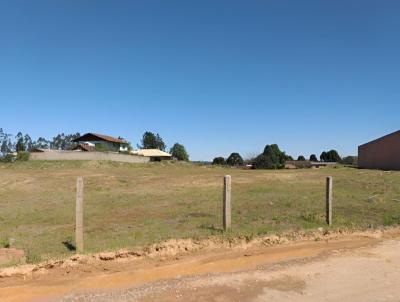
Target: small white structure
154 154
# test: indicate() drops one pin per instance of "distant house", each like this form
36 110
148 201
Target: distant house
154 154
91 146
382 153
100 142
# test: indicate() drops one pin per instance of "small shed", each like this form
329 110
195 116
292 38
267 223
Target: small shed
154 154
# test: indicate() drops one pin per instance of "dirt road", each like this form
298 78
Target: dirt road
351 268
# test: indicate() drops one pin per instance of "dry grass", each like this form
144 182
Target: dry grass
129 205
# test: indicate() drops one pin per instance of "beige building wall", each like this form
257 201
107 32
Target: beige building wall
80 155
383 153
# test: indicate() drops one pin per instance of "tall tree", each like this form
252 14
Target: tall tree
323 156
41 143
64 141
178 151
313 157
19 142
330 156
28 142
333 156
301 158
234 159
6 145
152 141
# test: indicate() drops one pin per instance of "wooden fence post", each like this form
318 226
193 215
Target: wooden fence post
227 203
79 215
329 189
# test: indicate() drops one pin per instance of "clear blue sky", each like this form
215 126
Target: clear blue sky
217 76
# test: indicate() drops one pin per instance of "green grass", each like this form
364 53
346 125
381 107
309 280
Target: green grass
128 205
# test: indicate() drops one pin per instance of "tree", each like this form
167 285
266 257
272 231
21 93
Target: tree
178 152
301 158
234 159
288 157
64 141
264 162
41 143
313 157
152 141
2 135
271 158
5 142
330 156
19 144
333 156
219 161
28 142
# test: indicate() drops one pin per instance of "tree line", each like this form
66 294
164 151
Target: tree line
23 142
273 158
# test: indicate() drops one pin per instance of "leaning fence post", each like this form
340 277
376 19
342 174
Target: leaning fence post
227 203
329 188
79 215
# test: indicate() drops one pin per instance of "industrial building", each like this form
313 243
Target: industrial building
382 153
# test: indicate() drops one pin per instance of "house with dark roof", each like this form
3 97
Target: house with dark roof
100 142
382 153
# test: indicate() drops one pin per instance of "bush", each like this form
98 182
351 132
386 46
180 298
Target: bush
5 243
313 157
8 158
301 158
23 156
219 161
234 160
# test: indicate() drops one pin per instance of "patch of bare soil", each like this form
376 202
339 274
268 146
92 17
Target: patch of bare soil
171 260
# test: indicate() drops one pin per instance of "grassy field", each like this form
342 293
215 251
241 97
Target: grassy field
128 205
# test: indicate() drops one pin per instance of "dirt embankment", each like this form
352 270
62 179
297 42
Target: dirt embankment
175 247
172 259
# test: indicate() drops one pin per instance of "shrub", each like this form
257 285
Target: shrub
5 243
23 156
234 160
8 158
313 157
219 161
301 158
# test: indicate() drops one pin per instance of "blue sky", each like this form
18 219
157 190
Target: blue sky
217 76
